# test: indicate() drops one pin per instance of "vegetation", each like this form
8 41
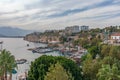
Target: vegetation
57 72
40 67
7 64
101 62
108 72
96 68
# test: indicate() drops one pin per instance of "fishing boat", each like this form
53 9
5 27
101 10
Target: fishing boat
1 42
28 45
42 50
21 61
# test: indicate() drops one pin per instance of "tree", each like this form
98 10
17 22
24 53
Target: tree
105 50
90 68
11 65
63 39
7 63
109 73
1 73
57 72
40 67
95 42
94 50
115 52
83 42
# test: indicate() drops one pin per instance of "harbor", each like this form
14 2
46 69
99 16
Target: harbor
18 47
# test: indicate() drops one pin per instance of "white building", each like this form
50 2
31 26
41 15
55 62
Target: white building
76 29
84 28
118 27
115 37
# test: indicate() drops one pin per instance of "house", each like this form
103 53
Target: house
118 27
115 38
68 30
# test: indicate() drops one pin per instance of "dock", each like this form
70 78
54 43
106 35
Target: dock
41 50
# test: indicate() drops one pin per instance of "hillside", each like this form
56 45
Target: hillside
9 31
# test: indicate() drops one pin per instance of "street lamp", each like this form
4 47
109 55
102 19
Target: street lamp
1 45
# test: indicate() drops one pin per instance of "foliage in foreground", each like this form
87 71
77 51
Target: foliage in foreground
40 67
7 64
108 72
57 72
104 67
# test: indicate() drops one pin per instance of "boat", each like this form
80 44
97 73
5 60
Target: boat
21 61
1 42
42 50
14 71
28 45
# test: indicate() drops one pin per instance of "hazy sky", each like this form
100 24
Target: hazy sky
57 14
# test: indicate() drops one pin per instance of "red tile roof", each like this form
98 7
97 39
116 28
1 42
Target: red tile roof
115 34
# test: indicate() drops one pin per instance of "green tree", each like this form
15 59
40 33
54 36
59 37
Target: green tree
95 42
40 66
63 39
1 73
94 50
105 50
90 68
109 73
11 65
83 42
115 52
7 62
57 72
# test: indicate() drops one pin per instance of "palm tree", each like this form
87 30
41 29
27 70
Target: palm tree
1 73
7 62
11 65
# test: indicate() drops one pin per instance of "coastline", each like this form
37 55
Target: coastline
12 36
18 48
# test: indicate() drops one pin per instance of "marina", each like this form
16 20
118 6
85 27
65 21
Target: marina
18 47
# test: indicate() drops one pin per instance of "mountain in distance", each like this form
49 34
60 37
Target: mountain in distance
12 32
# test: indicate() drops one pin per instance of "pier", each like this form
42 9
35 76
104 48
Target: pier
42 50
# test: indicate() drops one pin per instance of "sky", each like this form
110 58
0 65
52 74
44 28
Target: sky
57 14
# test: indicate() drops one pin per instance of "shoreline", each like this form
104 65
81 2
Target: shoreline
12 37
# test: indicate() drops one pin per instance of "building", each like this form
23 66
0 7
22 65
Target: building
68 30
118 27
115 37
76 29
84 28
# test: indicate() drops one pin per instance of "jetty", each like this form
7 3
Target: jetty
41 50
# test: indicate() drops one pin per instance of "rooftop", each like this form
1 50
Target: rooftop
116 34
